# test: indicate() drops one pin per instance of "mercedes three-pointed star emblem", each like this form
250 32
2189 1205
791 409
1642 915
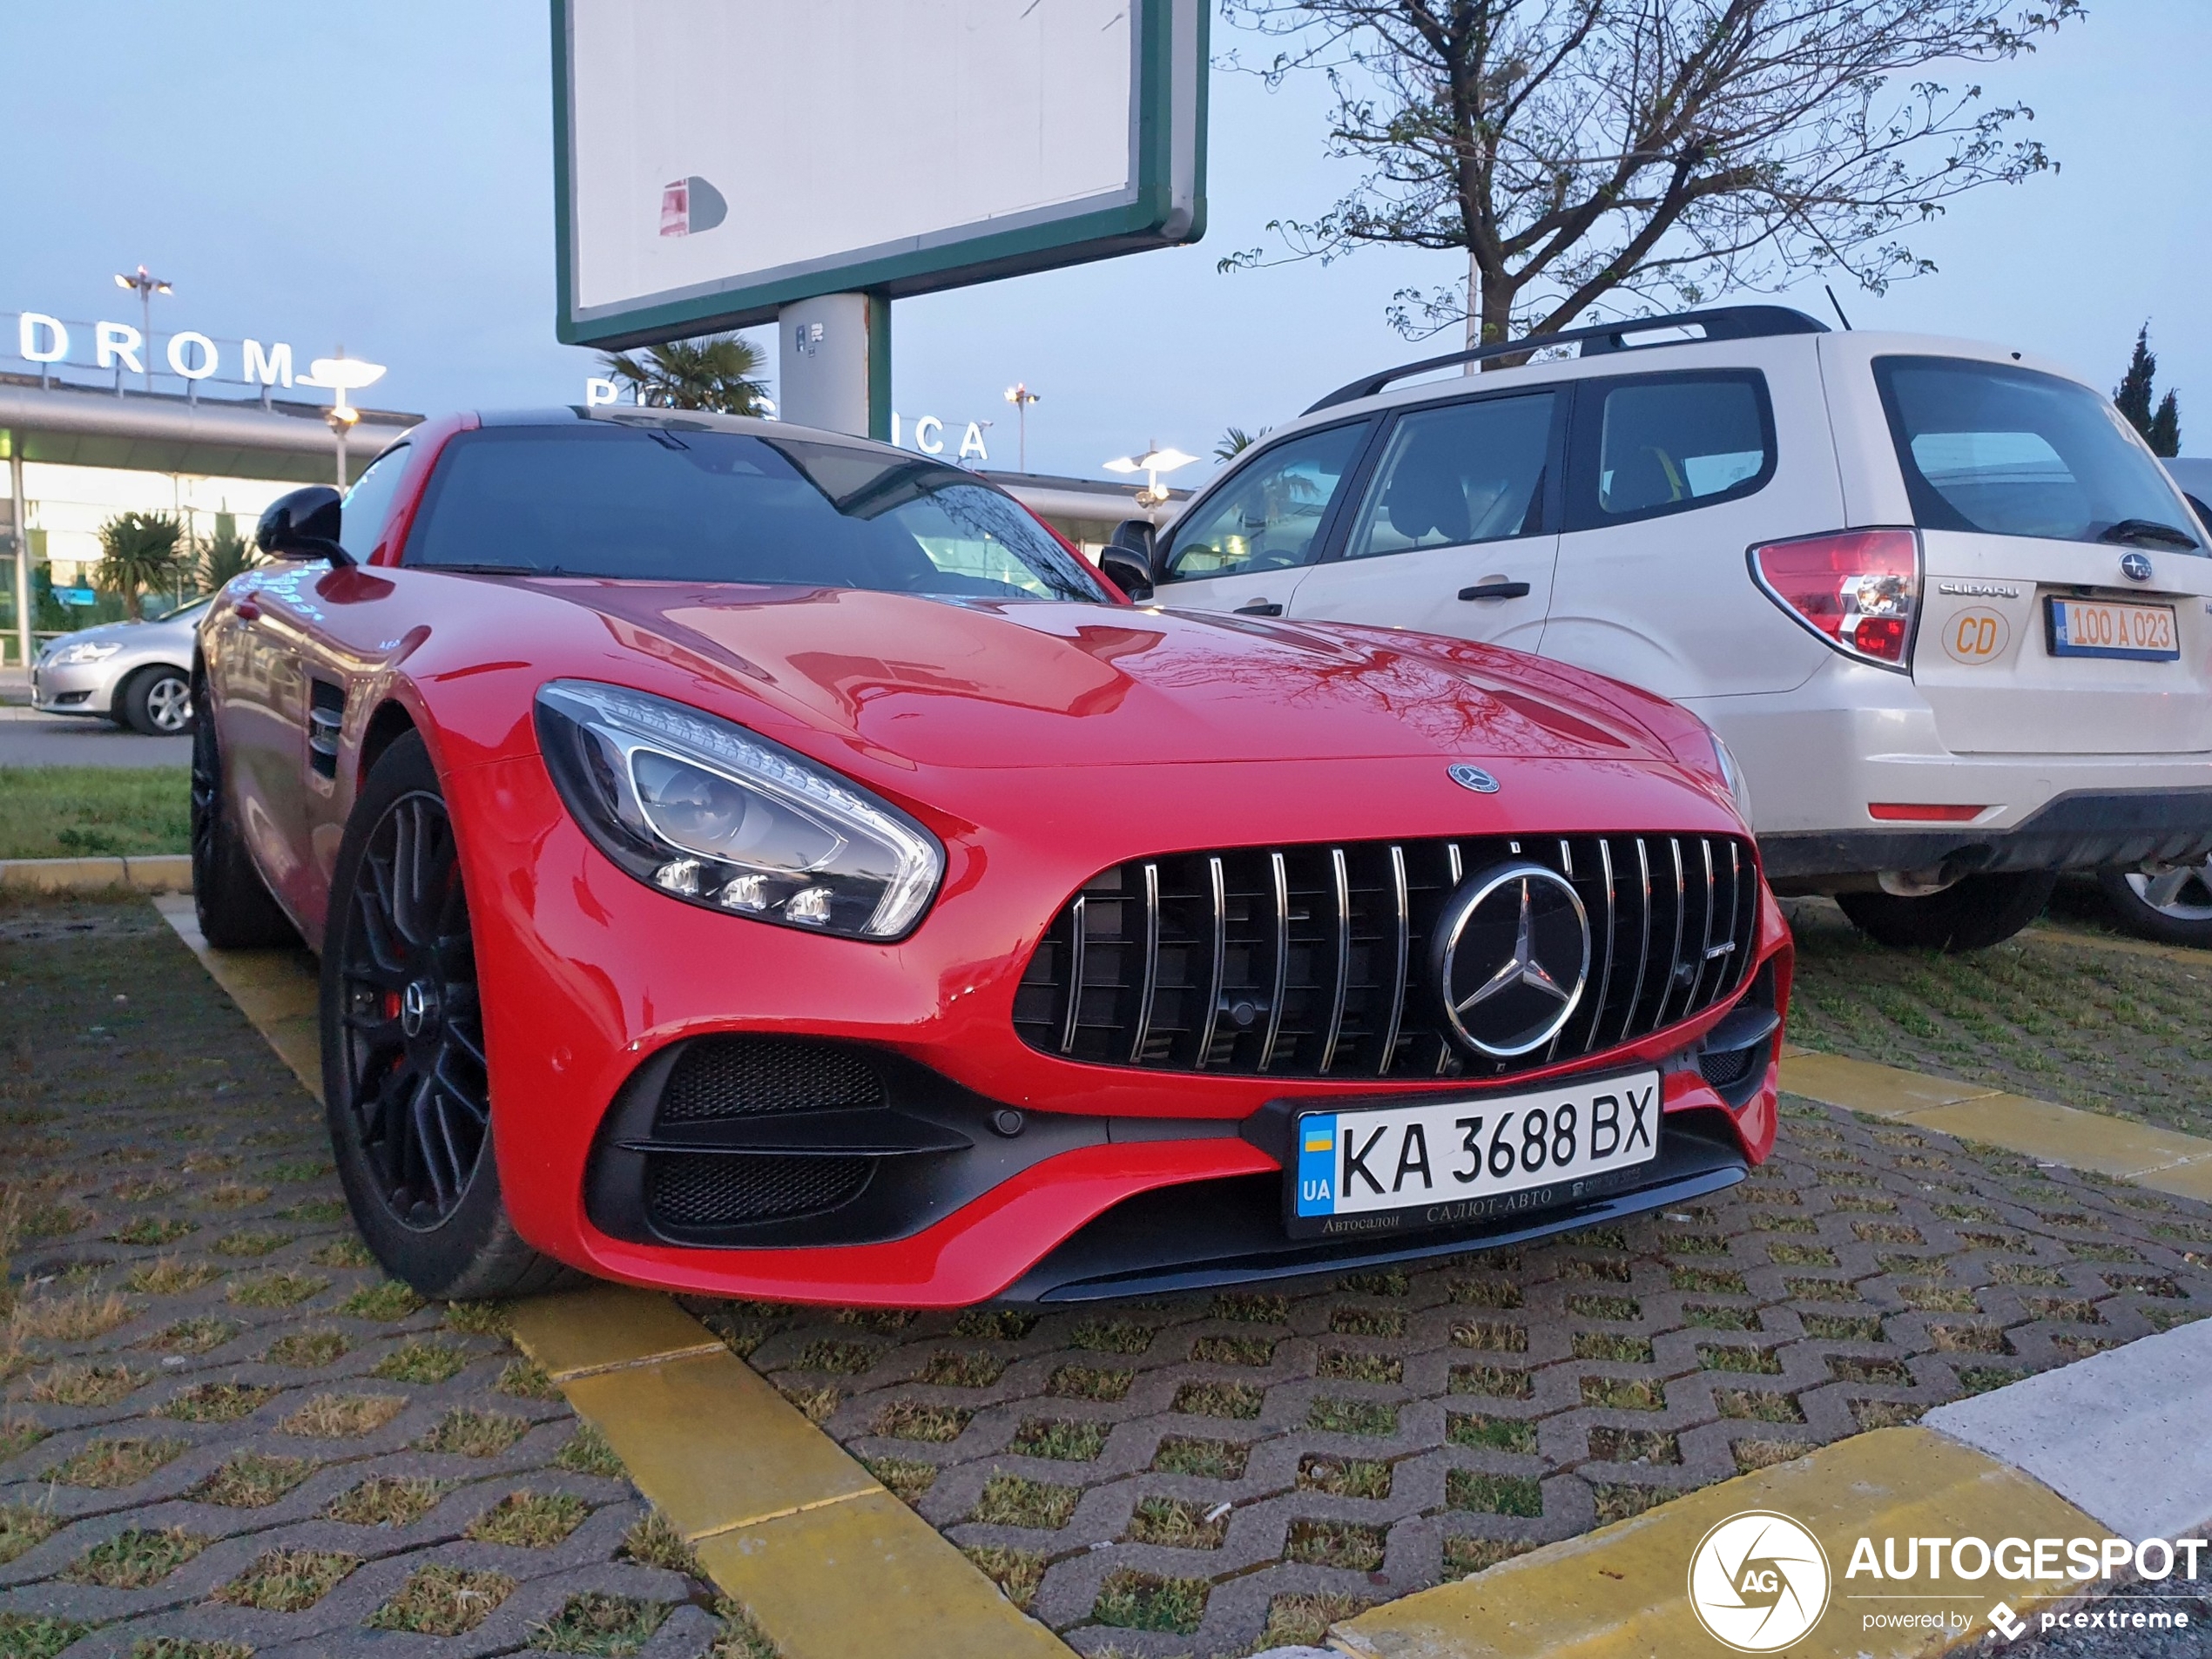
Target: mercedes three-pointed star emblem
1520 968
1511 955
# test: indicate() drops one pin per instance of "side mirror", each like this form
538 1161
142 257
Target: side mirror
1129 557
304 525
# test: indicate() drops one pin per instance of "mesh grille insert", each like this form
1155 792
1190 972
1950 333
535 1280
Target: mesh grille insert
690 1190
1730 1066
1312 960
742 1076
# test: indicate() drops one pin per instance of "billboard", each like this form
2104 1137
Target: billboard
716 160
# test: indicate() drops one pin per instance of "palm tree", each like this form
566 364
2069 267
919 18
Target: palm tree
137 551
224 557
1235 440
716 373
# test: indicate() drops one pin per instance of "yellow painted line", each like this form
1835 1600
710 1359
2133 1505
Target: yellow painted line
2163 1159
275 989
2181 954
1622 1591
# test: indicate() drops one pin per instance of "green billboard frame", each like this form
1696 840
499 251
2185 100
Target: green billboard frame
1149 216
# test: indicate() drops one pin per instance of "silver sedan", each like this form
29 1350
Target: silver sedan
137 674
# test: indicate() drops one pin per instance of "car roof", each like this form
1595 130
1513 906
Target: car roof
631 414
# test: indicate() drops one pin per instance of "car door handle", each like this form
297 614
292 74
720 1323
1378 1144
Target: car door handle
1257 608
246 610
1496 591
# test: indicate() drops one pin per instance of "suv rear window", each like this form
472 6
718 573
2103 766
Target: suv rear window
660 505
2015 452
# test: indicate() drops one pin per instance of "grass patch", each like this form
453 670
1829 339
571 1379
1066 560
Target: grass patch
1465 1554
913 1419
135 1558
477 1318
387 1501
1755 1454
1624 1394
596 1623
276 1290
77 1316
1251 1307
233 1195
1114 1336
837 1356
249 1244
1302 1620
586 1452
1494 1494
1500 1293
1497 1434
35 1636
1605 1307
1066 1440
1837 1327
171 1275
93 812
1884 1413
1210 1459
1019 1573
216 1402
343 1417
1235 1399
307 1350
18 1433
1708 1316
1013 1500
531 1520
1617 1500
1367 1322
1177 1523
1499 1382
74 1385
818 1405
344 1252
288 1581
23 1528
390 1300
1089 1382
473 1433
1335 1543
1889 1373
1132 1601
1492 1336
1344 1477
963 1368
1353 1365
422 1362
1757 1405
250 1480
905 1479
526 1380
995 1325
108 1465
1613 1346
443 1600
1634 1445
1710 1281
652 1540
1233 1350
152 1232
1738 1357
1373 1418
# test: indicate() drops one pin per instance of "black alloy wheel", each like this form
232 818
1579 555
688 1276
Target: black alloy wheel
413 1033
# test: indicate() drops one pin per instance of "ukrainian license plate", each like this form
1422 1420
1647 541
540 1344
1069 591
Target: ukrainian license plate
2107 628
1441 1164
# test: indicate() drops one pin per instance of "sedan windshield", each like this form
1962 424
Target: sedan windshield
655 504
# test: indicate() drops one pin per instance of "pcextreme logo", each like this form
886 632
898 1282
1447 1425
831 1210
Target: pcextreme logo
1758 1582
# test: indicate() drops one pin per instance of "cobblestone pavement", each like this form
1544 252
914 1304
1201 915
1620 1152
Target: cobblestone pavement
223 1430
198 1442
2108 1031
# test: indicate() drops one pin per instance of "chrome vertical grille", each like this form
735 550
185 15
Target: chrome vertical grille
1313 961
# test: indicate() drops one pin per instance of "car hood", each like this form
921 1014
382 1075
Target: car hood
991 685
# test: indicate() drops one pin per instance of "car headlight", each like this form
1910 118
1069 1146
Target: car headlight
1737 786
88 651
710 813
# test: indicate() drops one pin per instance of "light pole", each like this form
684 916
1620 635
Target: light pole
1154 461
1021 396
146 288
342 375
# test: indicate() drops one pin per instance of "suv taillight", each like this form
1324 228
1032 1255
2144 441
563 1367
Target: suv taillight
1857 589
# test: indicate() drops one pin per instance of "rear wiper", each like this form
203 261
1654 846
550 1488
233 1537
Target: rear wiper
2140 530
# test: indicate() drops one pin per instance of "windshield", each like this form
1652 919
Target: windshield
2012 452
689 505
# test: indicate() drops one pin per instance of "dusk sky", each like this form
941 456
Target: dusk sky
381 177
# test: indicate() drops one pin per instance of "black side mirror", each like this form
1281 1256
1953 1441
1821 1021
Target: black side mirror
303 525
1129 557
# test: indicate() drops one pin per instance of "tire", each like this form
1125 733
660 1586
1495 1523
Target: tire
2183 918
235 908
406 1086
157 702
1972 914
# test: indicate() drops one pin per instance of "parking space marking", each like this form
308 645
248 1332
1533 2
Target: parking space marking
1617 1592
2164 1160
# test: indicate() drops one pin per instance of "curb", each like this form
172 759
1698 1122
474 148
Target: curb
2187 955
144 873
2111 1446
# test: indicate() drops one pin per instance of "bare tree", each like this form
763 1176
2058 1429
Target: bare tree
1652 150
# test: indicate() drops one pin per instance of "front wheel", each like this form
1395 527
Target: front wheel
405 1083
158 703
2172 905
1971 914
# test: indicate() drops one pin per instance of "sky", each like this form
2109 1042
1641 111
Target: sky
380 178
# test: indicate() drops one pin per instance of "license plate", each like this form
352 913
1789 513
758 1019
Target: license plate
2106 628
1443 1162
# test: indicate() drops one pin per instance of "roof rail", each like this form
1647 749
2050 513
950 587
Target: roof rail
1720 322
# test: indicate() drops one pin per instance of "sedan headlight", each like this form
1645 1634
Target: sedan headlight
1737 786
712 814
86 650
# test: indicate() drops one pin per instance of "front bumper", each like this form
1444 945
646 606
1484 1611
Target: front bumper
78 688
592 981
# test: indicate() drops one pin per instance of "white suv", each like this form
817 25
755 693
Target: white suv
1943 604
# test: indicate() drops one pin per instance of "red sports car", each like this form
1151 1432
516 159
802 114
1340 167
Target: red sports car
754 862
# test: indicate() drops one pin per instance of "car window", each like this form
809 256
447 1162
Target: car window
1267 515
2015 452
362 519
1468 472
694 505
1666 443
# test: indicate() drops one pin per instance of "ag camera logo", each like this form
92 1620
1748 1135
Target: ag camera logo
1758 1582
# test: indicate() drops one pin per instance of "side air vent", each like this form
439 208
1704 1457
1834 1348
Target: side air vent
741 1076
691 1190
1313 962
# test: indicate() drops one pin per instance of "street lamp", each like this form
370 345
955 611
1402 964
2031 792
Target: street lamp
1021 396
1154 461
145 287
339 375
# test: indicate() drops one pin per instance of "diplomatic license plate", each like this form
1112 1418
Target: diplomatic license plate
1441 1164
2107 628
